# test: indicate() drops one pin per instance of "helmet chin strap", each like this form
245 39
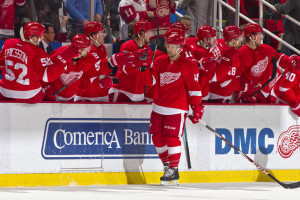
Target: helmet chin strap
205 46
96 41
253 41
36 43
178 51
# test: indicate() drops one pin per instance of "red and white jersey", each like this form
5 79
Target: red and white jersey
287 88
72 75
218 50
131 80
192 43
7 8
177 85
131 10
90 88
226 79
26 66
162 10
256 65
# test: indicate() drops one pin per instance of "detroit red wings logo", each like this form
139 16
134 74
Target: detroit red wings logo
168 77
67 78
260 67
162 11
288 141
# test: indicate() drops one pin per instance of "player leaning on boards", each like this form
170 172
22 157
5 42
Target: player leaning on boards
177 87
256 66
27 65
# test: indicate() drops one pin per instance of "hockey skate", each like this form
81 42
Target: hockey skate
170 177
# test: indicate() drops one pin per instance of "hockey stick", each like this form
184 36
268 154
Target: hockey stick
65 86
285 185
187 150
272 77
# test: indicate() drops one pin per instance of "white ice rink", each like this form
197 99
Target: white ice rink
216 191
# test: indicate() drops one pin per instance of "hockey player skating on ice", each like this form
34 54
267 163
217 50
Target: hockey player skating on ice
177 87
27 65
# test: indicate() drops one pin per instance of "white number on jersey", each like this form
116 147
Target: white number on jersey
290 76
9 75
232 72
128 12
188 54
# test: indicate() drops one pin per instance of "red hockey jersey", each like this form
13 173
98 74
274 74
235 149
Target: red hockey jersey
131 10
72 76
26 66
162 10
131 80
177 85
7 17
287 89
256 65
90 88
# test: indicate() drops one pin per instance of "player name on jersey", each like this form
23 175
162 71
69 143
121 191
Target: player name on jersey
16 53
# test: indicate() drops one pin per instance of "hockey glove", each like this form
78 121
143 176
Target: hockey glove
296 108
142 58
197 113
121 59
69 53
247 89
105 82
295 61
207 63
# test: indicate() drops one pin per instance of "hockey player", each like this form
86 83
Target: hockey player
177 87
287 89
256 65
225 80
131 79
207 63
96 82
27 65
72 77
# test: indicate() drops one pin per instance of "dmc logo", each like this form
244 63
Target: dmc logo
288 141
247 140
97 138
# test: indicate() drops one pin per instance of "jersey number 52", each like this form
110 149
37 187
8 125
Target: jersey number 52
10 75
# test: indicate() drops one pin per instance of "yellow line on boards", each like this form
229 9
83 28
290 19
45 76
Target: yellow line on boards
117 178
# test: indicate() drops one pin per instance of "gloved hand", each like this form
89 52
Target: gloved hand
69 53
105 82
143 58
295 61
247 89
197 113
207 63
295 108
122 58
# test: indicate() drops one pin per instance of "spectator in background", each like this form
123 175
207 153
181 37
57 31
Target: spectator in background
291 30
79 13
199 11
7 17
186 20
48 37
132 10
113 18
161 10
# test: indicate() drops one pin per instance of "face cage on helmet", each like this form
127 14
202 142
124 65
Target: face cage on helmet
35 43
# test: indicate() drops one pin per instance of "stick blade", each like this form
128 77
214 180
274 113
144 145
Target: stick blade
291 185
